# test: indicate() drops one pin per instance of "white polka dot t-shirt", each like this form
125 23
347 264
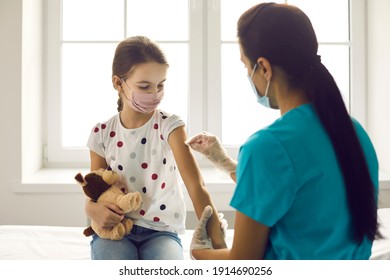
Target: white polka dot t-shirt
144 159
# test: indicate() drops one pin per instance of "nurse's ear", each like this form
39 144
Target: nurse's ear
265 67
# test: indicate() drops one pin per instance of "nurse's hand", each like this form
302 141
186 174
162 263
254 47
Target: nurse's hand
209 145
200 239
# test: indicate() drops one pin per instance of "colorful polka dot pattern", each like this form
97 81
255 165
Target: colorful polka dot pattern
155 180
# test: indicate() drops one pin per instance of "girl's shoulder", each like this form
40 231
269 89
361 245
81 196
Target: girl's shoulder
112 121
107 125
165 117
167 122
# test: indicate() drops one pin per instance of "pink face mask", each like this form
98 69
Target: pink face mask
144 102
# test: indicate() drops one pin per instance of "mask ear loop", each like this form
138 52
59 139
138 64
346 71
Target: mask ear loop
267 87
123 81
253 71
268 84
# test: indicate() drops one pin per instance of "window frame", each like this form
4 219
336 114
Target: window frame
204 110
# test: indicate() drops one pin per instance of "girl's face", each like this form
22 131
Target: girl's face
147 78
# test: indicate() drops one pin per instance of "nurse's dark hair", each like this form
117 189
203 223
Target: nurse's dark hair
284 35
134 51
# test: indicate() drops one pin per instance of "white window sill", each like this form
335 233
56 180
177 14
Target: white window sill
59 180
384 180
221 187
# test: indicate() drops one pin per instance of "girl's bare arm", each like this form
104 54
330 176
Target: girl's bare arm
193 181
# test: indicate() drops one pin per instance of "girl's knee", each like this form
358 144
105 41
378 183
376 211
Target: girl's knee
164 247
104 249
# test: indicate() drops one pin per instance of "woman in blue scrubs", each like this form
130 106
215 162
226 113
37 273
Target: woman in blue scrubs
307 185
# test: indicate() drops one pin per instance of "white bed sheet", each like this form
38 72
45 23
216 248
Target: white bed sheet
381 248
69 243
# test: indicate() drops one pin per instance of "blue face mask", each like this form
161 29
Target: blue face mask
263 100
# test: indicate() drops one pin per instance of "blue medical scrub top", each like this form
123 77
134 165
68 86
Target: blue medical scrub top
288 179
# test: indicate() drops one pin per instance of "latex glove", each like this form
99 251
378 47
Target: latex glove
200 239
209 145
223 222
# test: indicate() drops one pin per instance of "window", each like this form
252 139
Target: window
207 84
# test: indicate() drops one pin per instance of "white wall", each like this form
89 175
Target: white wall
25 208
63 207
378 62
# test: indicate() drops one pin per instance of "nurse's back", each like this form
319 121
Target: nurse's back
317 224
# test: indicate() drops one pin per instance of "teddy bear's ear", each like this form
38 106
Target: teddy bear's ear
79 178
110 177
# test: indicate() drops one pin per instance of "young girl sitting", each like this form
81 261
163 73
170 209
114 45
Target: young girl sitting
145 145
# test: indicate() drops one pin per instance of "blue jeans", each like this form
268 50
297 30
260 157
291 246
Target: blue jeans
141 244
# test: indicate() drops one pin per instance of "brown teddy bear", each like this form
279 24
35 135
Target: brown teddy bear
103 185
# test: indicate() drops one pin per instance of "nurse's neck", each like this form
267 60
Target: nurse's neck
288 99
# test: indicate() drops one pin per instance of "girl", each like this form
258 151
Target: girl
145 145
